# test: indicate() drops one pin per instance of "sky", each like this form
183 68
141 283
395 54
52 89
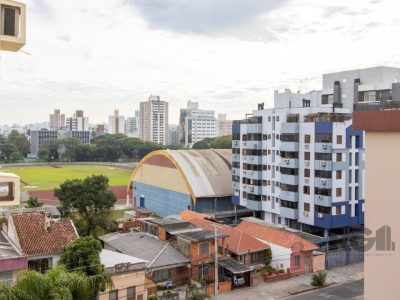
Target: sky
229 55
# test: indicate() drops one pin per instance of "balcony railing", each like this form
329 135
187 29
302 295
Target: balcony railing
377 105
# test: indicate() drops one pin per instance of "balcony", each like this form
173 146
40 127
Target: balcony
290 127
289 146
323 147
289 213
289 196
289 179
254 205
325 183
252 174
252 189
252 144
323 200
252 159
329 221
289 163
325 165
377 105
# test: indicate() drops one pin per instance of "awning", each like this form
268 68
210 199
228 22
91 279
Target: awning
234 266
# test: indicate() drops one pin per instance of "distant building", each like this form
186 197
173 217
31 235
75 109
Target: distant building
224 125
78 122
57 120
198 124
173 134
116 123
132 125
154 120
38 137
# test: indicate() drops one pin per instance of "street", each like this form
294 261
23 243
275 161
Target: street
351 290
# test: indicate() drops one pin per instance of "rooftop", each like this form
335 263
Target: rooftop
6 250
111 258
169 224
274 235
35 239
200 235
158 254
46 208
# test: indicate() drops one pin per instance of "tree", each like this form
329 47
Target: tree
22 144
222 142
49 150
33 202
54 285
6 152
89 199
84 255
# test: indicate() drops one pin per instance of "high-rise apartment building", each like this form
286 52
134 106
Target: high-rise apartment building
132 125
78 122
57 120
197 124
116 123
154 120
173 134
301 163
224 125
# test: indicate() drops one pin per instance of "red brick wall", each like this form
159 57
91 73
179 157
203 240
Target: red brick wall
388 120
302 266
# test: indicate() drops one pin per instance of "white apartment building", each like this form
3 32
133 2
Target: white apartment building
224 125
78 122
173 134
56 120
154 120
116 123
132 125
197 124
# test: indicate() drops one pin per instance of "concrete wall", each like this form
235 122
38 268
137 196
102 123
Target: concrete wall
125 280
382 207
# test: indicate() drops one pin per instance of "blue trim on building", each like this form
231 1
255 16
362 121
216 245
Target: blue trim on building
323 127
236 200
329 221
359 137
162 201
236 127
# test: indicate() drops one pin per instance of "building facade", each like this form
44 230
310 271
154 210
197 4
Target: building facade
132 125
154 120
78 122
116 123
38 137
173 134
224 125
56 120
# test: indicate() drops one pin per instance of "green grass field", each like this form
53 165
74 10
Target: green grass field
47 177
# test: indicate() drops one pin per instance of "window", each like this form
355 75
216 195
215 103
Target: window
307 207
350 195
357 158
338 174
6 191
307 138
306 172
39 265
6 277
339 139
297 261
306 155
130 293
306 190
140 297
338 156
204 248
113 295
338 192
338 210
356 176
162 275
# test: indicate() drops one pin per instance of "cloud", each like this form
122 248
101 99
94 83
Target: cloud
202 16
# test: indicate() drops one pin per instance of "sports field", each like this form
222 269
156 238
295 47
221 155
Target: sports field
49 177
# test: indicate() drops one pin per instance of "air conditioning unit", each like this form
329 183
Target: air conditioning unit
307 146
235 156
235 143
251 172
323 181
244 144
233 171
320 197
255 146
307 163
244 172
252 189
307 180
252 157
324 146
320 215
323 163
305 213
12 26
287 161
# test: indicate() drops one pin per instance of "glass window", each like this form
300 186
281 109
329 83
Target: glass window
130 293
297 261
338 192
306 172
338 210
6 277
307 207
113 295
204 248
307 138
339 139
338 156
306 155
338 174
306 190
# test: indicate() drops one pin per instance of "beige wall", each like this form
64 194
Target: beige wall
16 192
123 281
10 43
382 207
163 177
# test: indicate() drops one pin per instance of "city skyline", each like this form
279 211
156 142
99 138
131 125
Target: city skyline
234 57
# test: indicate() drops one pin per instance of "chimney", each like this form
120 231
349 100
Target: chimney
47 222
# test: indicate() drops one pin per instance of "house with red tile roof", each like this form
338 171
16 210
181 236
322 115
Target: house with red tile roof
240 245
39 237
289 250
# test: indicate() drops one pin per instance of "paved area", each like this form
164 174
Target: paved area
350 290
287 287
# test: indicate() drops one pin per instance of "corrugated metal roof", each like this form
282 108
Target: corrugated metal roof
208 171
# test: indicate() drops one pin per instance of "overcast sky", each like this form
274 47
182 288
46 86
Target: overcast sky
101 55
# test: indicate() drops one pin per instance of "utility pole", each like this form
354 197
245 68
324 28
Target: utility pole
215 263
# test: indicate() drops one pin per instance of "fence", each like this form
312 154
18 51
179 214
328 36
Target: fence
345 256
